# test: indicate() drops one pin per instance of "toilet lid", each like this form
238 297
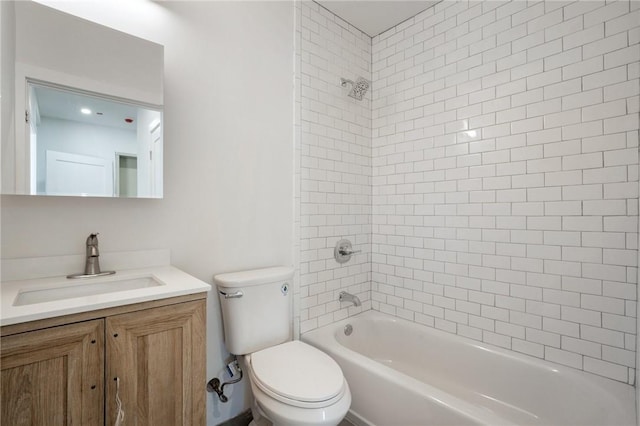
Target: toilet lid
298 371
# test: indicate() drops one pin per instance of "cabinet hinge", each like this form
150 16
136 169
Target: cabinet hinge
26 116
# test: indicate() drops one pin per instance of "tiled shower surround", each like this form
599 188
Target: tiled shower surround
335 181
498 152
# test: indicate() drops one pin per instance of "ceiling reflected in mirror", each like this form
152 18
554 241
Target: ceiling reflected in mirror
68 105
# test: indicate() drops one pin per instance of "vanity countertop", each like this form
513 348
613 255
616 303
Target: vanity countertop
169 282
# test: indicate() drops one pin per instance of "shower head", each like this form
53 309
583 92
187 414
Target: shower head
358 88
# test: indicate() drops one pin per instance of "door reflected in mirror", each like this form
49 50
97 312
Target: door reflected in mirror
92 145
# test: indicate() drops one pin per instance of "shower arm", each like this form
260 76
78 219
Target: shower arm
344 81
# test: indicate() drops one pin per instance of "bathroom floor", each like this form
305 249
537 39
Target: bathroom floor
245 418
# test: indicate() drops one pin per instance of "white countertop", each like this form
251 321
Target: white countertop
174 283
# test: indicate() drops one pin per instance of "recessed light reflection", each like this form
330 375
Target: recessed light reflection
86 111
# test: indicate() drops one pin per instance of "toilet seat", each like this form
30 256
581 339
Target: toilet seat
297 374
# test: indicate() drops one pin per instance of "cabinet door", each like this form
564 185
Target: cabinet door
54 376
158 355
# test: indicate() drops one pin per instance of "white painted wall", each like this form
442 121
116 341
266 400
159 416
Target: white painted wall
228 183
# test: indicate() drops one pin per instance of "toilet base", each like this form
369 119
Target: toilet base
273 412
258 416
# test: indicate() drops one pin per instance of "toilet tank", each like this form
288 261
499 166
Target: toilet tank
256 308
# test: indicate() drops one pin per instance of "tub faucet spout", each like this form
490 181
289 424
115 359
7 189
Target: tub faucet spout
348 297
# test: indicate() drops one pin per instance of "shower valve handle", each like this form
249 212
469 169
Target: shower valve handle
345 252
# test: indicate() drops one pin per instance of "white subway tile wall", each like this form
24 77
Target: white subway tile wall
490 175
505 176
335 167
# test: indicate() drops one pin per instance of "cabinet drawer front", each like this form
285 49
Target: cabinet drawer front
54 376
159 356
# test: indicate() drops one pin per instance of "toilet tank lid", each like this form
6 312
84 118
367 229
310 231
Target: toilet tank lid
254 277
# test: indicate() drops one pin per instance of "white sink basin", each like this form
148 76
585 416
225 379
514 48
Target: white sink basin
47 297
83 288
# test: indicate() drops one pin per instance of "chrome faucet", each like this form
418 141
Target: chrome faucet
350 298
92 264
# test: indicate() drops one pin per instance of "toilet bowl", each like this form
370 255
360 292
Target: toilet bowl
295 384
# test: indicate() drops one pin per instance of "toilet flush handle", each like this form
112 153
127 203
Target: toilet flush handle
234 295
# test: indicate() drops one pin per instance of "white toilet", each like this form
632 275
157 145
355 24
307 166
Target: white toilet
293 383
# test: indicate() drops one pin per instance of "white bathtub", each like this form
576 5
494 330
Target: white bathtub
404 374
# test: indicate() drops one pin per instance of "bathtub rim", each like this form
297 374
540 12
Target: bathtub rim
323 336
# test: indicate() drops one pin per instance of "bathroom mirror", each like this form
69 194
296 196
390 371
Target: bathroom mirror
81 107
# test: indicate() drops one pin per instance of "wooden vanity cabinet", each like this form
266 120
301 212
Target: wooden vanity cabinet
158 357
62 371
54 376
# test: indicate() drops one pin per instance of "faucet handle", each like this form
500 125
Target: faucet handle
344 252
92 245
